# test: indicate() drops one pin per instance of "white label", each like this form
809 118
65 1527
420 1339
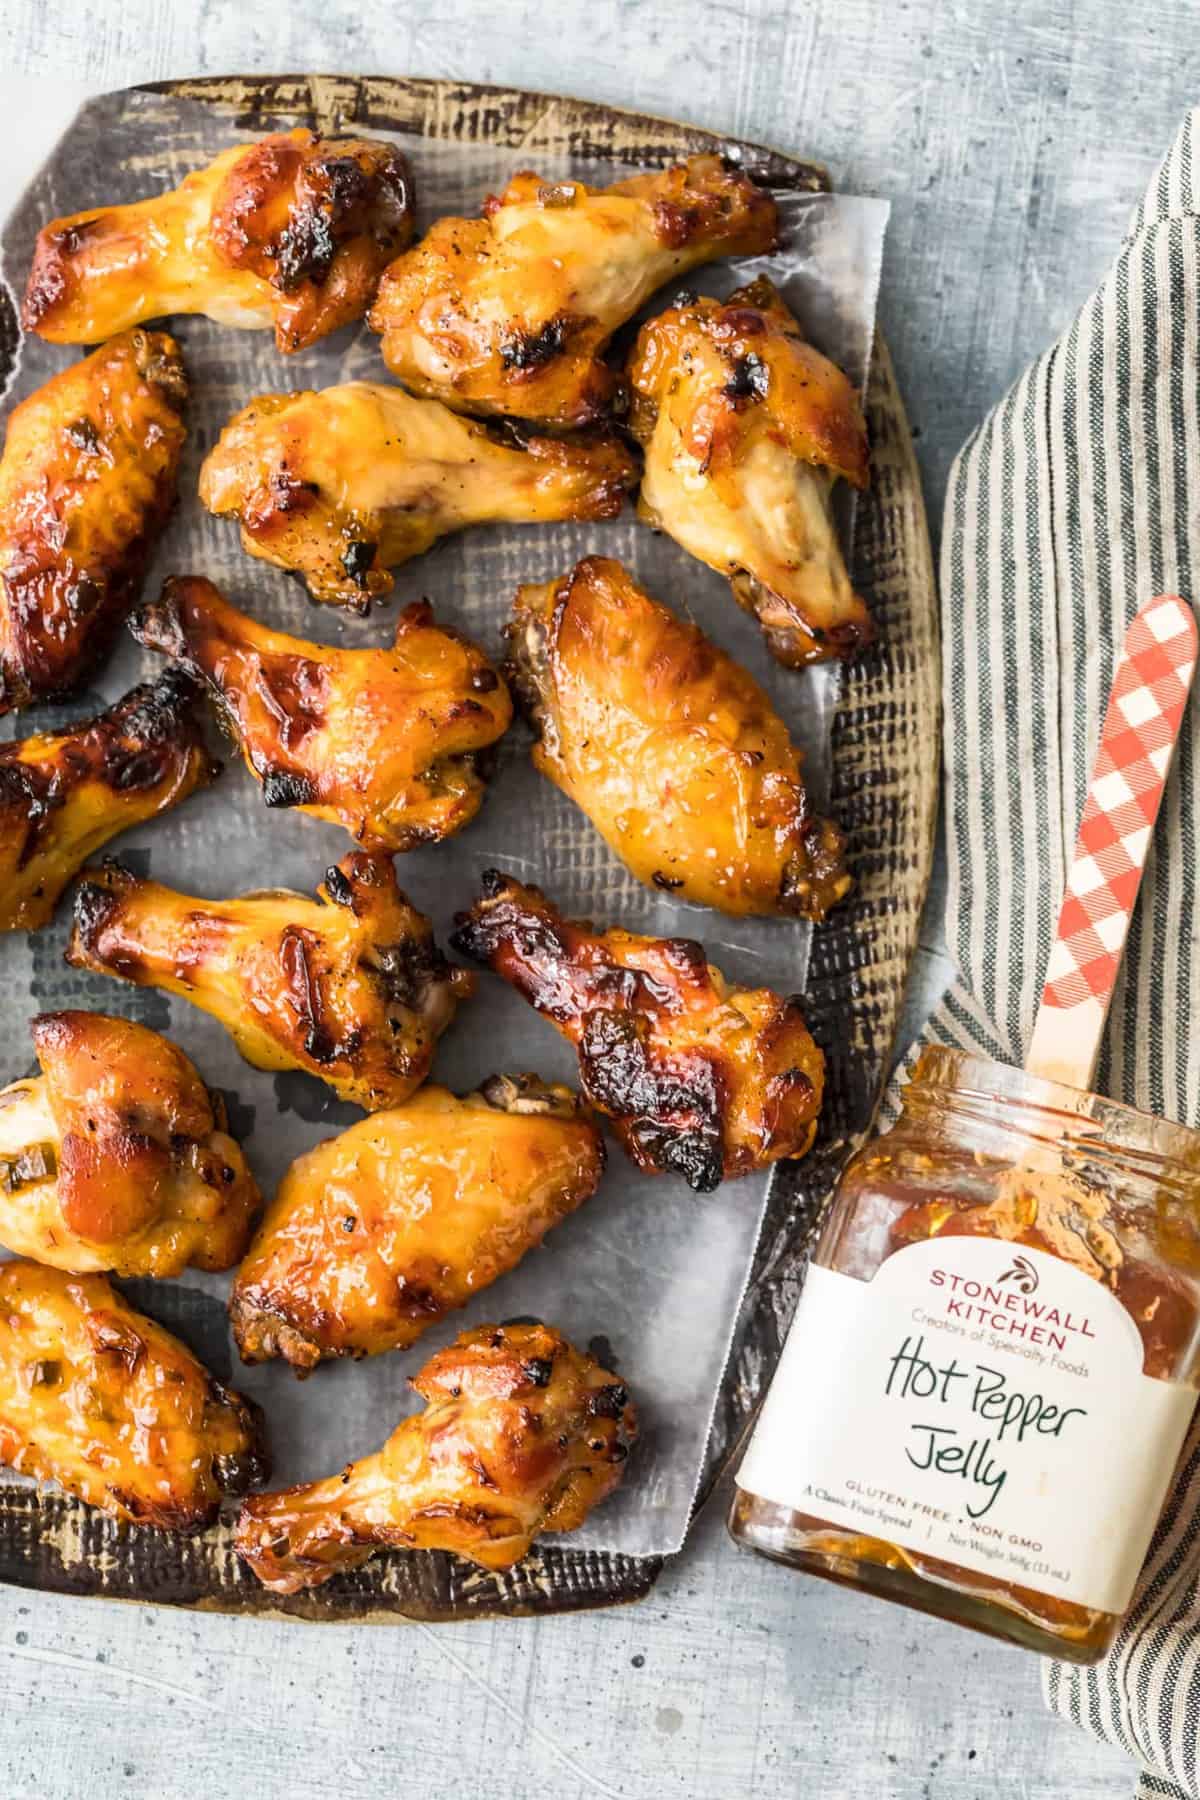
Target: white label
983 1403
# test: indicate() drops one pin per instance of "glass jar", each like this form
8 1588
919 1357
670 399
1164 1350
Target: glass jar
994 1361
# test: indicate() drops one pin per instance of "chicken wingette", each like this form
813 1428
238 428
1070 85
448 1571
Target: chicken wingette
745 429
672 750
389 744
511 313
87 481
345 484
375 1235
520 1434
118 1157
349 987
699 1078
102 1400
291 231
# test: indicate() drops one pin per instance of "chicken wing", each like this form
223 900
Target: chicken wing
87 480
118 1157
375 1235
102 1400
344 484
65 793
511 312
350 987
671 749
745 429
388 743
291 231
521 1434
699 1078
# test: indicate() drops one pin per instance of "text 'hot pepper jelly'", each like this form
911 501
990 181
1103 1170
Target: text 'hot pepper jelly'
994 1362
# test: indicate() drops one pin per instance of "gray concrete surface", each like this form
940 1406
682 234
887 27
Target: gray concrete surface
1012 141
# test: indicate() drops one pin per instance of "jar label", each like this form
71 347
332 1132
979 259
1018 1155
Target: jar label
982 1403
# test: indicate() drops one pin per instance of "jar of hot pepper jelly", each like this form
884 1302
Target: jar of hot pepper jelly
994 1361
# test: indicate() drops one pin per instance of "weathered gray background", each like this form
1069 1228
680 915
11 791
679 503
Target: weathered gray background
1012 141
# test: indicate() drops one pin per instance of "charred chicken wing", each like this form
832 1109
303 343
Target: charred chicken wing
511 312
100 1399
520 1434
292 232
375 1235
384 742
350 987
117 1156
672 750
65 793
699 1078
746 428
87 480
344 484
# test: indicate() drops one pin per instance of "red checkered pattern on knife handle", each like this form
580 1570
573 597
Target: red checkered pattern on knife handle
1145 710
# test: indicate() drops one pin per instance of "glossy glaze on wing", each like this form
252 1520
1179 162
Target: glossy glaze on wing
97 1397
387 743
117 1156
344 484
349 987
375 1235
745 429
520 1434
291 231
672 750
87 480
511 312
699 1078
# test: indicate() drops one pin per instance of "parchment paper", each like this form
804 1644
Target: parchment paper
647 1273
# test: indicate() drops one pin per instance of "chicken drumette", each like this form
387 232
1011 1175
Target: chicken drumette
344 484
520 1434
292 231
387 743
350 987
511 312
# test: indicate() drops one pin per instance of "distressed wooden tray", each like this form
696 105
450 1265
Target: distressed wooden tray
886 762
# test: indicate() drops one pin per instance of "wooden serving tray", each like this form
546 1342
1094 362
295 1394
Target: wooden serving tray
886 765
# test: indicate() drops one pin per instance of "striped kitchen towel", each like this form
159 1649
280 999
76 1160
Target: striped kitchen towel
1076 500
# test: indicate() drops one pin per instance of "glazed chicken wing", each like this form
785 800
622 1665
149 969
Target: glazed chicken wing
344 484
100 1399
65 793
87 480
511 312
375 1235
349 987
699 1078
746 428
117 1156
670 747
387 743
292 232
520 1434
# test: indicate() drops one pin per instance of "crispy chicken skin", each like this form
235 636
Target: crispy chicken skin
349 987
100 1399
745 429
344 484
520 1434
292 231
117 1156
671 749
63 794
375 1235
511 312
387 743
87 480
699 1078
